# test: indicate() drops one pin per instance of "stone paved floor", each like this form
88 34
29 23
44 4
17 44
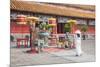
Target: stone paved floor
88 46
19 57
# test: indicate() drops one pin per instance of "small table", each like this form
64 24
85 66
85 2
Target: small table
22 39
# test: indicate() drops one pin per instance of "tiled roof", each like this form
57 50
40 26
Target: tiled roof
51 9
78 6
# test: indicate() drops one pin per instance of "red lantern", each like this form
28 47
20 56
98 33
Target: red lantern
21 19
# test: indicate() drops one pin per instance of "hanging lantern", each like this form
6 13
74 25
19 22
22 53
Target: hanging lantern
72 21
52 21
32 20
21 19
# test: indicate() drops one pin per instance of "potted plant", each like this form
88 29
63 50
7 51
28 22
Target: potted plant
84 29
11 38
67 28
45 32
27 36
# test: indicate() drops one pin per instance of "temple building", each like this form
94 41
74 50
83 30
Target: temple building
83 14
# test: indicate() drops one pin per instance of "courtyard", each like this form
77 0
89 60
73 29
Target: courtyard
19 57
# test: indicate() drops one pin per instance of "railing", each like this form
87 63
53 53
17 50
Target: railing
88 36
